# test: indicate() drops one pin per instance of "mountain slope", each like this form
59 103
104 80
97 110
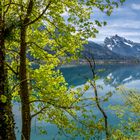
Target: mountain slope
114 48
122 46
100 52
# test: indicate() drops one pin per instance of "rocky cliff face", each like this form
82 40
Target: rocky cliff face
122 46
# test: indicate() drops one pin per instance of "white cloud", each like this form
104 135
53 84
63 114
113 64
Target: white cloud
135 6
126 24
129 29
124 21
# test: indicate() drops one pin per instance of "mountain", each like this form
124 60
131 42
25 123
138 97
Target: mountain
100 52
114 48
122 46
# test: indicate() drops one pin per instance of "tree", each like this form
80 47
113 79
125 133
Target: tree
6 116
91 62
50 39
128 113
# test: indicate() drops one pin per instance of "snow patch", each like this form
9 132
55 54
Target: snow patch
115 41
109 46
128 44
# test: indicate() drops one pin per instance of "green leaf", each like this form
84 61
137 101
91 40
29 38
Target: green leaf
3 98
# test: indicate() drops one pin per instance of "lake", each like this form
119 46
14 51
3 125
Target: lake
120 74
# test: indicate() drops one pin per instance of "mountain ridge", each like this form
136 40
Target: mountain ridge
113 48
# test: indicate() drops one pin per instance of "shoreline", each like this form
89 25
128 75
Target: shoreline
100 62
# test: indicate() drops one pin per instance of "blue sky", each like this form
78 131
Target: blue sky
124 21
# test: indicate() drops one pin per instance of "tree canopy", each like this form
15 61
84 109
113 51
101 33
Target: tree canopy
38 39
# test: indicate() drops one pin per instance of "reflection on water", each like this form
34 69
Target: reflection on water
128 75
119 74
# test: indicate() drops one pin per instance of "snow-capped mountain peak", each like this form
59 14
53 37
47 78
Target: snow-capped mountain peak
122 46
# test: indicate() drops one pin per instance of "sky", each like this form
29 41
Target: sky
124 21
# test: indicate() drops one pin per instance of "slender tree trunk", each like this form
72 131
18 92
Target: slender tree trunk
24 89
24 86
24 92
101 110
93 84
6 116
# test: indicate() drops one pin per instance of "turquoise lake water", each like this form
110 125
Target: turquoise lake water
120 74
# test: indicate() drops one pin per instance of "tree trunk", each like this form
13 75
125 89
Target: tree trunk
93 84
6 116
101 110
24 92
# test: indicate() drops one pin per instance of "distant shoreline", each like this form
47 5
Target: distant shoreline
100 62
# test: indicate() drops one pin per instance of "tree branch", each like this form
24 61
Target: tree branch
33 21
49 102
29 11
8 6
40 111
16 73
17 85
93 84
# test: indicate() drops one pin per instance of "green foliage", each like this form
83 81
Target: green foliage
52 40
3 98
129 115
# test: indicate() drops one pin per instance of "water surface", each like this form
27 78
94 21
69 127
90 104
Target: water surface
120 74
